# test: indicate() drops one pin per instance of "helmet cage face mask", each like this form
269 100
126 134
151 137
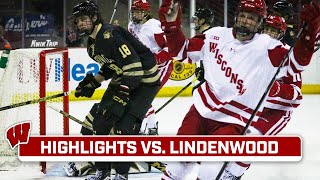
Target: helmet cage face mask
137 15
195 23
247 23
275 26
273 32
84 25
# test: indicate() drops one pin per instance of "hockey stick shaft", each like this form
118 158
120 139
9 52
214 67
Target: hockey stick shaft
316 49
266 92
33 101
72 118
158 165
114 11
184 88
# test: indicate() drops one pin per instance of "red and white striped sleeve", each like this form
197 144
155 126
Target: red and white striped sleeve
163 54
298 59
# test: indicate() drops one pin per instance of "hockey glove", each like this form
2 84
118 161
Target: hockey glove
311 15
170 16
275 89
199 73
114 110
87 86
284 90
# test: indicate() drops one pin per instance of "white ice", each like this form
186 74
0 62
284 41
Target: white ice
305 123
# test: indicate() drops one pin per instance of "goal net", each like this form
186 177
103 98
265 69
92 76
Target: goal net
31 74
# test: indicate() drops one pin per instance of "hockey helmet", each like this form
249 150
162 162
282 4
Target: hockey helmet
140 5
258 7
275 26
86 8
140 9
205 14
246 10
284 9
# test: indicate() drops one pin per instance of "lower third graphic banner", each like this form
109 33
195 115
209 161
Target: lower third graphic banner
161 148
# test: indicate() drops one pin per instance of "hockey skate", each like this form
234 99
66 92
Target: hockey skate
100 175
72 170
228 176
120 177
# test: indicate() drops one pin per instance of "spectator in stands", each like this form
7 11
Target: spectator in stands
73 38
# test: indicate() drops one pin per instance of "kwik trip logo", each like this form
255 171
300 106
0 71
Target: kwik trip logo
46 43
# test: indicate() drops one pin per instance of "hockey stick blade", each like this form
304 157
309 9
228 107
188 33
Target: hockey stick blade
158 165
34 101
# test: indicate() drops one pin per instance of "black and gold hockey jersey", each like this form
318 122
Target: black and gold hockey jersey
122 56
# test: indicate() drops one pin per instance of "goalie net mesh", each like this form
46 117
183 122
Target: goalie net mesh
32 74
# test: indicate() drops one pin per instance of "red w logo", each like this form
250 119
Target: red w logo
18 134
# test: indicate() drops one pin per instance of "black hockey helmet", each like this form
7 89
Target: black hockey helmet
205 14
284 8
86 8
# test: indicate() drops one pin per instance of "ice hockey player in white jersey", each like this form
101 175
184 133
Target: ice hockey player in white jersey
284 96
148 30
239 63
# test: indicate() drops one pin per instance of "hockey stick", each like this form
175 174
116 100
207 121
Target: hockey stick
34 101
184 88
114 11
318 47
72 118
266 92
158 165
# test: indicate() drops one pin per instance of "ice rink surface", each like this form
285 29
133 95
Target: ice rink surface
305 123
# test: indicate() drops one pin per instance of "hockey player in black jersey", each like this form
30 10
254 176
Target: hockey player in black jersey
202 20
133 72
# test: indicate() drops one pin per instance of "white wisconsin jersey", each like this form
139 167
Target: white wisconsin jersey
145 33
236 75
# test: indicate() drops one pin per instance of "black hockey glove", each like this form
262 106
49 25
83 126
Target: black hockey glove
114 110
87 86
199 73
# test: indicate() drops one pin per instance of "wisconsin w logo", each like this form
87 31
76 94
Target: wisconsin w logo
18 134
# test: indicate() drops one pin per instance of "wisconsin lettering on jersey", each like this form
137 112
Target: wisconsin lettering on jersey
228 71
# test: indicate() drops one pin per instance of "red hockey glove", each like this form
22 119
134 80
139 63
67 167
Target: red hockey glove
275 89
164 9
162 56
311 15
283 90
170 16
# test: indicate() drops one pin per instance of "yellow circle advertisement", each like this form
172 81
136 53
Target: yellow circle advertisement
182 71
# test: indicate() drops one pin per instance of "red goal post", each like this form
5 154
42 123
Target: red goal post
43 92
